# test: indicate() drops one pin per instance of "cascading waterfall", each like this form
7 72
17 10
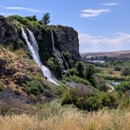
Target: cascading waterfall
33 47
58 55
66 63
52 39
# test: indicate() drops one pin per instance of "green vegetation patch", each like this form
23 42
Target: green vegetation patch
77 80
32 87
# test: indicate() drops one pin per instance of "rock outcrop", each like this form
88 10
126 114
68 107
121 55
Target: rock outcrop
9 95
82 87
8 32
68 40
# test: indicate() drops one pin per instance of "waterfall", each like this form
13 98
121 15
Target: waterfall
66 63
58 55
52 38
33 47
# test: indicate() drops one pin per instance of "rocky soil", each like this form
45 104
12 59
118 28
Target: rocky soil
9 95
15 71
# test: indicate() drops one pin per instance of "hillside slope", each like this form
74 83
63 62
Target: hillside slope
114 54
18 72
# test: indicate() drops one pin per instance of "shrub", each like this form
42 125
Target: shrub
15 17
32 87
94 103
117 68
101 84
98 70
59 90
89 72
24 21
82 99
67 57
54 65
110 72
70 72
104 65
125 71
124 86
108 99
40 22
74 96
79 66
32 18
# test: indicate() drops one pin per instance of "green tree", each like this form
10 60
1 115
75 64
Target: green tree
46 18
79 66
125 71
101 85
70 72
89 72
108 99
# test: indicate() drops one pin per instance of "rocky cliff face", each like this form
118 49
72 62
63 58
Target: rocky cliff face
68 40
7 31
65 40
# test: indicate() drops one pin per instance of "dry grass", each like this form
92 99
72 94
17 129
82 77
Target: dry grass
106 71
59 118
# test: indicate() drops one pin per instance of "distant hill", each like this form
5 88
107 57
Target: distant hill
112 54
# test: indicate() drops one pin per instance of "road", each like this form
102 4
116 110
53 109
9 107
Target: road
112 88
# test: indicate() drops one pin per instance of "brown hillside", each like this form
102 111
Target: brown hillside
116 54
15 71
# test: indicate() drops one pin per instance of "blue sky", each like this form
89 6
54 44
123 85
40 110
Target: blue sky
102 25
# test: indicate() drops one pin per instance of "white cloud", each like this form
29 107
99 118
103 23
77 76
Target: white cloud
98 43
22 8
6 14
93 13
111 4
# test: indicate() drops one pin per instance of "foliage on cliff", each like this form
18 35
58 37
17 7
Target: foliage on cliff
65 40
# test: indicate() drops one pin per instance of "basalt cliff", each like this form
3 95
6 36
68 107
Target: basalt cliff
66 38
18 72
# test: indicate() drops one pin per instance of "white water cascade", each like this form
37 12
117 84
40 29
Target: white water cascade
58 55
33 47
